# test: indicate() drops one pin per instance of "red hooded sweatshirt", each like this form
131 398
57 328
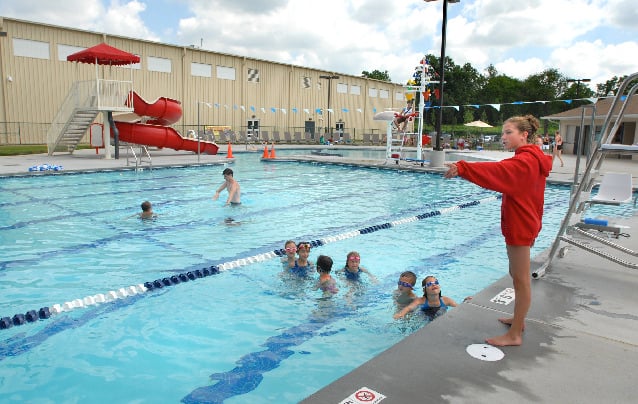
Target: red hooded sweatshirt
521 179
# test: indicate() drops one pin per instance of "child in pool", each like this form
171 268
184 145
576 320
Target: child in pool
302 266
404 294
290 247
326 282
433 303
147 211
352 270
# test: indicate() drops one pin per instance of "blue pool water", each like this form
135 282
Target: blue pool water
247 333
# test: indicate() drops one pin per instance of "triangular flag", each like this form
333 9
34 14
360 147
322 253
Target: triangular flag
216 105
283 110
344 110
359 110
374 110
273 109
263 110
242 107
330 110
306 111
252 108
319 111
294 110
495 106
235 106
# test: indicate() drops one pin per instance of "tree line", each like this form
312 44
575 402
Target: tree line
465 86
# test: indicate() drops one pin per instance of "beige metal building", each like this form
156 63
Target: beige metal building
214 88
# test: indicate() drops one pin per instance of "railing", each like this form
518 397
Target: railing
112 95
138 157
103 95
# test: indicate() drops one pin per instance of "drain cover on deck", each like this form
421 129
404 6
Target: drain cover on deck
485 352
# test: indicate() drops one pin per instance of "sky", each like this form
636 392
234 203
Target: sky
593 39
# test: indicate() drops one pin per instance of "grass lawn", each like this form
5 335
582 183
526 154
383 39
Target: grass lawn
16 150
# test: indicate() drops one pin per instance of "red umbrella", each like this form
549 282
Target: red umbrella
103 54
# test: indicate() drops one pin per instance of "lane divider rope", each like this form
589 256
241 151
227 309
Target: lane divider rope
121 293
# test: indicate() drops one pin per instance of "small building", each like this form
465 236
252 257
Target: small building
570 122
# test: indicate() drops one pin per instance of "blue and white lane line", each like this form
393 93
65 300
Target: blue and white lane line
124 292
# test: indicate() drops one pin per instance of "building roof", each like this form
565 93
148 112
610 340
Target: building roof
602 106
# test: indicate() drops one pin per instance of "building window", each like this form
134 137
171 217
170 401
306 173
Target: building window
398 96
31 49
385 94
161 65
355 90
226 73
372 92
342 88
201 70
66 50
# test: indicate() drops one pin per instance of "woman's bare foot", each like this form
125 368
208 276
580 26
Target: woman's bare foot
508 321
505 340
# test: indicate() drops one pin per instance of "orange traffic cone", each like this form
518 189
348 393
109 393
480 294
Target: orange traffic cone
272 151
229 153
265 156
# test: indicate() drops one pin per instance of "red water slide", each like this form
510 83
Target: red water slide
156 132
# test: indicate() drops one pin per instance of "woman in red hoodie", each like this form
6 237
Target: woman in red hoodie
521 180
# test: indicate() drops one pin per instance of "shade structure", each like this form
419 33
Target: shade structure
104 54
479 124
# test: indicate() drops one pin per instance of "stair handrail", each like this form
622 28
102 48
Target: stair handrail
594 161
80 96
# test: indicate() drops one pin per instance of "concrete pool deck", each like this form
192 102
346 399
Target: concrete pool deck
581 337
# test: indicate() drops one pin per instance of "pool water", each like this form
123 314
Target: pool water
249 333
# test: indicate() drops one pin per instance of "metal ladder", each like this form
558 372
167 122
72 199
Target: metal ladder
571 226
395 144
143 156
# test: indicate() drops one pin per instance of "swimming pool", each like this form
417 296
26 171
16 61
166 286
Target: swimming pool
245 333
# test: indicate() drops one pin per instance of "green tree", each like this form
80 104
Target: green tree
610 86
376 75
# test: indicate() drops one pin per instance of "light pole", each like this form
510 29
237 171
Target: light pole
208 105
437 144
329 78
578 81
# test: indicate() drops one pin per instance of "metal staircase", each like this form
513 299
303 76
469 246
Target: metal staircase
574 230
80 108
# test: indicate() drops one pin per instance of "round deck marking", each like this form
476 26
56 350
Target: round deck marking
485 352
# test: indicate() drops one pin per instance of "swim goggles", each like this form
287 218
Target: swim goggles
405 284
428 284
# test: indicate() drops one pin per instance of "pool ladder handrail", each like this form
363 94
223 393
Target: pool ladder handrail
583 184
143 157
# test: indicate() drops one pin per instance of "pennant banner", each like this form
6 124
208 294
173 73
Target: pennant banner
427 105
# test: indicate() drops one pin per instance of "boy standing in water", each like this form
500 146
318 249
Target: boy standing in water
232 186
521 179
